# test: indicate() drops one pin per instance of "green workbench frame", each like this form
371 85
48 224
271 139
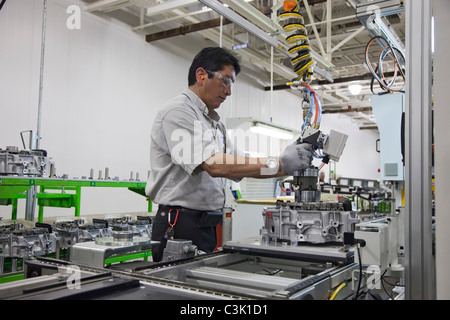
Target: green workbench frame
14 188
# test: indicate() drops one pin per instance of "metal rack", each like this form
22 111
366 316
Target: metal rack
13 188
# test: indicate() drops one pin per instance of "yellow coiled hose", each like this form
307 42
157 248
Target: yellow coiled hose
293 24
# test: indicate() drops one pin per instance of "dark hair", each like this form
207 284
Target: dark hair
213 59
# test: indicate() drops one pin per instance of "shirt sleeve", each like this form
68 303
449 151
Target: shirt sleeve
230 147
190 142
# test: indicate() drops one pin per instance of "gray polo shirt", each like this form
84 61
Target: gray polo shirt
183 136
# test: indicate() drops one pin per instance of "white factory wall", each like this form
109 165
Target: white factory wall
103 85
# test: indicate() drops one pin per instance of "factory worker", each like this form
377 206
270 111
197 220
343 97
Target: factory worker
191 156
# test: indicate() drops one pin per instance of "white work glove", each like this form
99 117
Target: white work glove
295 157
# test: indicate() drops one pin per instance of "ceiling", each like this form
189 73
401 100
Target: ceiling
338 41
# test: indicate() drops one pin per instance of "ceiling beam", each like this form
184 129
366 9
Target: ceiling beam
367 76
102 5
185 29
362 109
169 6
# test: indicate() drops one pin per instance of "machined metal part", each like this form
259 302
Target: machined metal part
25 162
287 223
123 236
305 185
17 241
179 249
121 239
76 231
120 230
141 226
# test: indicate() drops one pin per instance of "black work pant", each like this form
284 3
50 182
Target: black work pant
186 227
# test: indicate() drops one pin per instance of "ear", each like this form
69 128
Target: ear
201 74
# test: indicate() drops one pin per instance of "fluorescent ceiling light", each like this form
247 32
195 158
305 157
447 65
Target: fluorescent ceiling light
271 131
261 127
355 89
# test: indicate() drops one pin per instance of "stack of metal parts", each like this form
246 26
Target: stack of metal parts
25 162
141 227
19 242
76 231
109 237
308 219
102 232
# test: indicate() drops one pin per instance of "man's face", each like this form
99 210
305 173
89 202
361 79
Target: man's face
218 87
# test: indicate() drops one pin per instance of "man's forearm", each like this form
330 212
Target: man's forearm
235 167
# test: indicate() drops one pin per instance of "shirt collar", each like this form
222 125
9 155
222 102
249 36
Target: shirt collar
201 105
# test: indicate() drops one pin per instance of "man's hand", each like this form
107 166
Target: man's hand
296 157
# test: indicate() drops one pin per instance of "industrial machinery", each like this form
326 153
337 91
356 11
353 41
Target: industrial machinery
118 239
307 248
76 231
25 162
19 242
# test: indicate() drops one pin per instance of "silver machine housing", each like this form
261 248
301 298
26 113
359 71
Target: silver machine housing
307 219
25 162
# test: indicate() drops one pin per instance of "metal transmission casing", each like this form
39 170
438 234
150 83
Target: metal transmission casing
308 219
19 242
25 162
308 222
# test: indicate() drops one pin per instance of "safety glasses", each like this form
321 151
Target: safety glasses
227 82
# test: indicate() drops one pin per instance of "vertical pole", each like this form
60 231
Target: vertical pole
221 31
150 205
420 272
41 76
31 194
441 12
78 201
329 17
30 204
41 208
14 209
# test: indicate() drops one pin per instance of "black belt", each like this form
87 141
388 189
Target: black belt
206 218
181 209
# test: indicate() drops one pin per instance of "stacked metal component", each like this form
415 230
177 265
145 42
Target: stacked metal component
307 219
17 241
76 231
25 162
293 25
141 227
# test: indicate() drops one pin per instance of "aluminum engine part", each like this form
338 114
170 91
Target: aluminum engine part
141 227
72 232
25 162
295 224
19 242
76 231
